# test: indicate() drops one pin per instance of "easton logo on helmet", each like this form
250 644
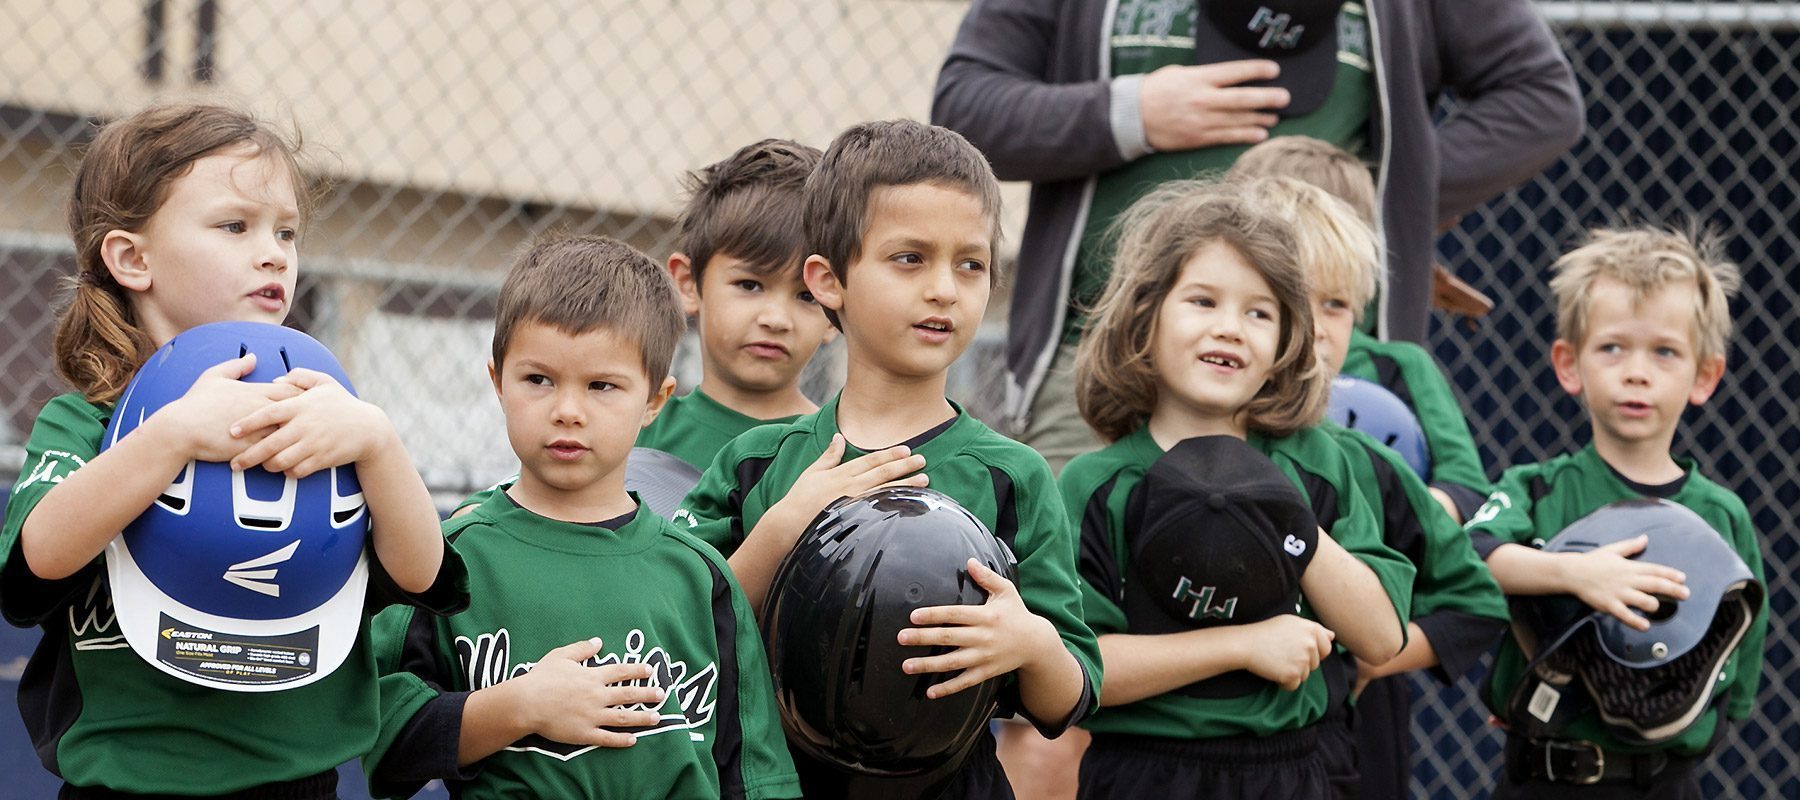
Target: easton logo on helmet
250 575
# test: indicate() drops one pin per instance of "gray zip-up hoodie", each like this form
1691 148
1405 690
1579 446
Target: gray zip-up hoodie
1027 81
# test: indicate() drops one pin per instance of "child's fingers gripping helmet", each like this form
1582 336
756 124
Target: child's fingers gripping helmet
1366 406
1649 686
660 479
835 608
1218 536
245 581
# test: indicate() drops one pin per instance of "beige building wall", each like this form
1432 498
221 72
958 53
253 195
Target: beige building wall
569 102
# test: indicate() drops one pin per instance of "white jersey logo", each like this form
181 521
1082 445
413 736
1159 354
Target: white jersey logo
689 695
1496 503
92 624
52 467
251 575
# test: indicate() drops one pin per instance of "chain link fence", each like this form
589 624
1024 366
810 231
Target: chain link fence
1690 120
453 132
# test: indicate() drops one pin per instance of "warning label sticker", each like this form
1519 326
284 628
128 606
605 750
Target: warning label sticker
235 658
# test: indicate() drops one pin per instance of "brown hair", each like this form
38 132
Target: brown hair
124 178
578 284
874 155
1647 259
748 206
1314 161
1115 383
1338 251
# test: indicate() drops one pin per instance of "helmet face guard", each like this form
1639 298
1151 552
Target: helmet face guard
246 581
836 606
1649 686
1366 406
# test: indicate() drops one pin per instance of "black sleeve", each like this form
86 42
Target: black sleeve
428 746
426 749
447 594
1466 500
27 599
1484 543
1011 705
1459 640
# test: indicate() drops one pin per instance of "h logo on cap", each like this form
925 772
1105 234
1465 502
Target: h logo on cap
1203 601
1275 30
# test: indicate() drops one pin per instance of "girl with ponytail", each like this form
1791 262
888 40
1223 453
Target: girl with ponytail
184 215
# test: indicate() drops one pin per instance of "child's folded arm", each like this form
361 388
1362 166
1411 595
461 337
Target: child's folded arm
1284 650
1351 600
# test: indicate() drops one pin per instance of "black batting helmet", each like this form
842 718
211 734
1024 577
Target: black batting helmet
1648 686
836 606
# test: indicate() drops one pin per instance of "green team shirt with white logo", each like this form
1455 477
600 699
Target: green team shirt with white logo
1149 34
1096 488
107 718
693 427
1410 372
652 594
1534 502
1455 600
1004 484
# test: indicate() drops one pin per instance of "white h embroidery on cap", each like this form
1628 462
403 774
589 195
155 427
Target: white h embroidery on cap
1275 29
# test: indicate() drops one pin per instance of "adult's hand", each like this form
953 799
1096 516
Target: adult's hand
1189 107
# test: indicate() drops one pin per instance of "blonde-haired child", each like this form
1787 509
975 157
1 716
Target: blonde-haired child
1642 320
1457 609
1457 478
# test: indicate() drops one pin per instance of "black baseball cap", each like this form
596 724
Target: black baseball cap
1220 537
1300 35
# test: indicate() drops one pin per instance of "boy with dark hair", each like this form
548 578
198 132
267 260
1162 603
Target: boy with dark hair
1642 320
902 221
737 268
654 682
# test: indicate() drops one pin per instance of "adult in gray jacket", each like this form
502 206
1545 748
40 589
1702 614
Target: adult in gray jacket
1094 121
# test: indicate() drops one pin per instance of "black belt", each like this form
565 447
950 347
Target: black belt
1583 763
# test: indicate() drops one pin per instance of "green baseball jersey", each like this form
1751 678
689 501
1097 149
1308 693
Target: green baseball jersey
1455 600
101 716
653 595
1097 487
1004 484
1410 372
693 427
1534 502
